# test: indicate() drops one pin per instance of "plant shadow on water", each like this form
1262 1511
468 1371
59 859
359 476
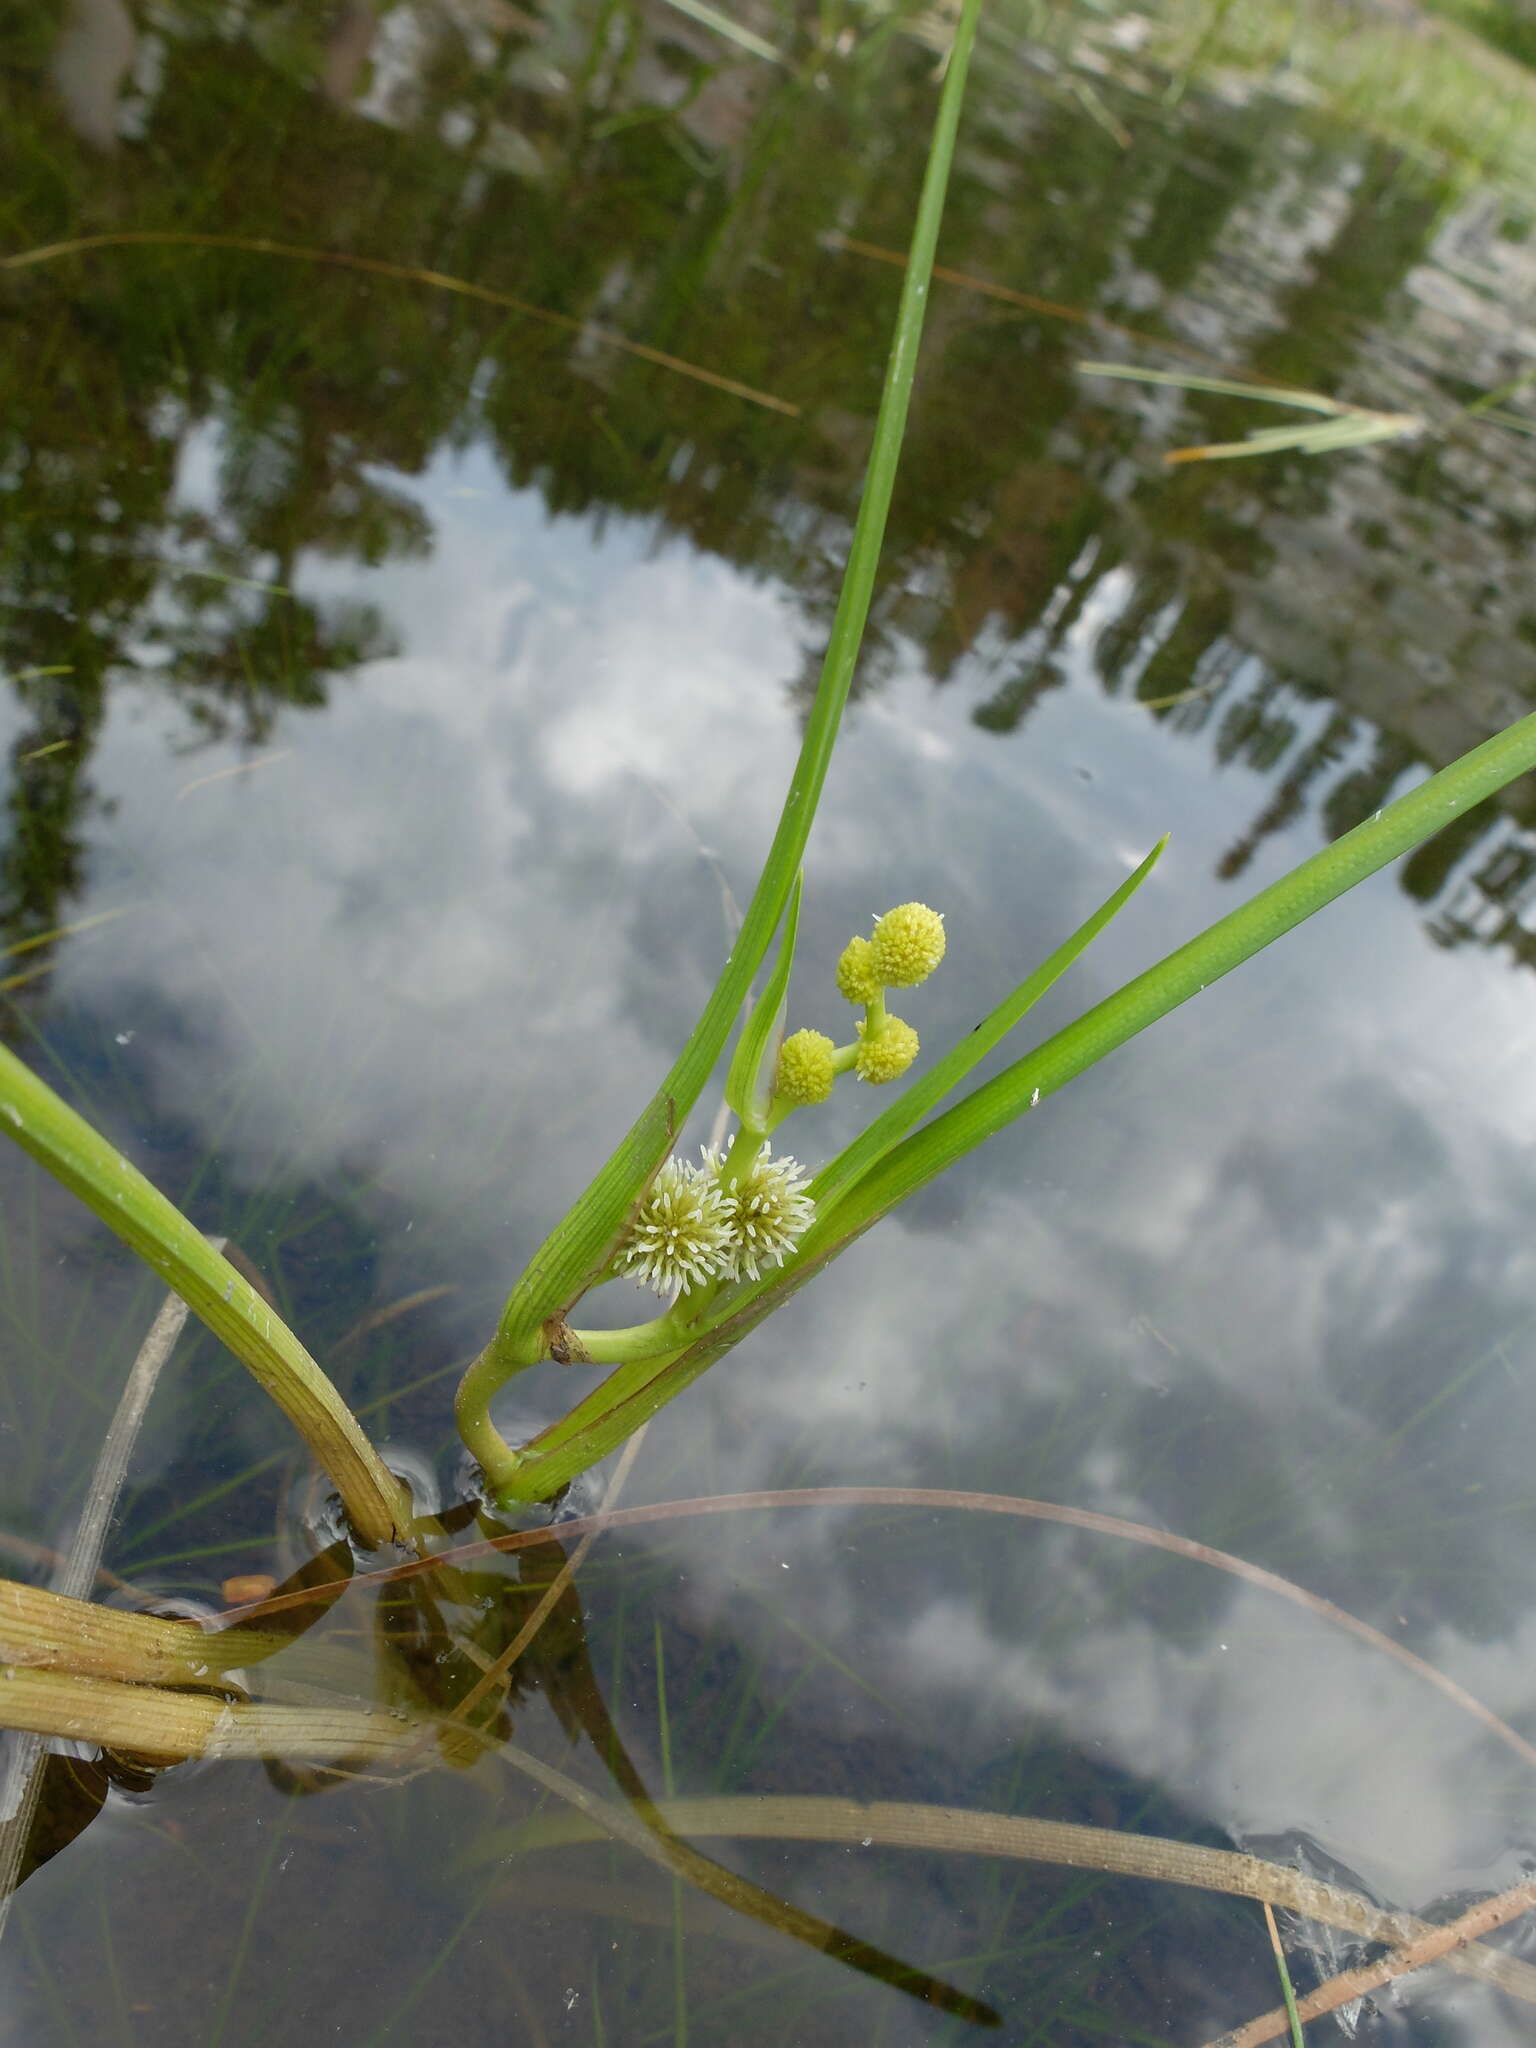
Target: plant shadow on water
410 684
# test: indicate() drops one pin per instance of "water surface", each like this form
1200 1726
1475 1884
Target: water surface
415 683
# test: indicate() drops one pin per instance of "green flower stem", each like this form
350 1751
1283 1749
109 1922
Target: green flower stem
745 1150
599 1424
844 1060
639 1342
471 1411
874 1015
62 1141
583 1243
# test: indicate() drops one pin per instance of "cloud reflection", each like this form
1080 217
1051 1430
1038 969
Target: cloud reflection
1244 1282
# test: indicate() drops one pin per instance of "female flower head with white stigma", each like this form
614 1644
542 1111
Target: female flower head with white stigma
681 1236
769 1210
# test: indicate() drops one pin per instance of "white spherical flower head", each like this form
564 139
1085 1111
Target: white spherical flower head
770 1212
682 1234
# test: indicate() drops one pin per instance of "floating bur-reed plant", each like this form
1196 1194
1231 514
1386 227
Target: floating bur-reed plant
729 1237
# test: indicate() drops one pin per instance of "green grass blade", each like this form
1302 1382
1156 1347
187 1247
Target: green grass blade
1287 1990
1328 439
1226 387
850 1166
711 17
749 1085
582 1243
1347 426
1315 439
1511 419
1387 426
63 1142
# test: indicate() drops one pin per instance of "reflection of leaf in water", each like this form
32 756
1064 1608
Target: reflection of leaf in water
69 1796
407 273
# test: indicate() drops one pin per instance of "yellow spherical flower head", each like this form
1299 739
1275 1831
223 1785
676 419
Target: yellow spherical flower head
681 1235
908 944
769 1212
887 1056
805 1071
856 976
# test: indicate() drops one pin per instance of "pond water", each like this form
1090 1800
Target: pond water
400 692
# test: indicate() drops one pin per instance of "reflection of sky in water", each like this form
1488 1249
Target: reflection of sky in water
448 940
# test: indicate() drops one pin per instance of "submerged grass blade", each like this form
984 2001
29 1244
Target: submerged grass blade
1225 387
658 1842
1286 1987
1347 426
79 924
1328 439
1023 1838
153 1227
733 31
580 1246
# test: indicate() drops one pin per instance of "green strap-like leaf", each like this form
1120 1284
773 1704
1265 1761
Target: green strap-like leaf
62 1141
749 1085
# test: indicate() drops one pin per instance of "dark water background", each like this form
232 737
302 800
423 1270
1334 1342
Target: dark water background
416 683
